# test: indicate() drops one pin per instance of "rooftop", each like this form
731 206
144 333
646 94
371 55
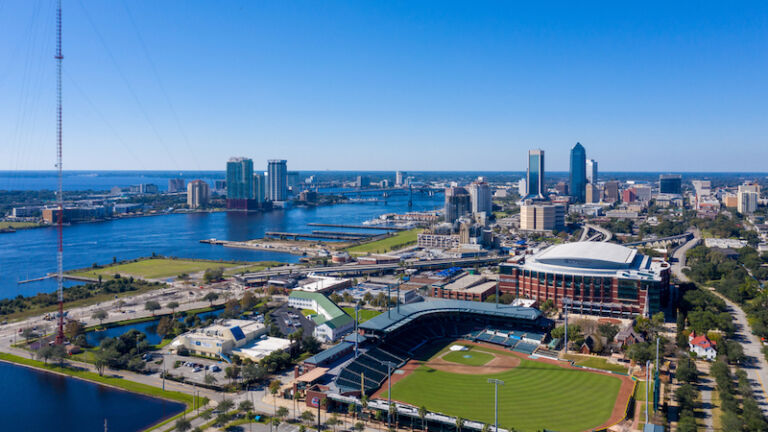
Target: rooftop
588 254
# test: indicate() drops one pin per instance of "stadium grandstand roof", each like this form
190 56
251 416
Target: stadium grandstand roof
393 320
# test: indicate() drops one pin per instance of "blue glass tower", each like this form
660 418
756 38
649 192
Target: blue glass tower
578 173
535 178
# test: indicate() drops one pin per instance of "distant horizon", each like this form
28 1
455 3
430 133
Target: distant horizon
380 171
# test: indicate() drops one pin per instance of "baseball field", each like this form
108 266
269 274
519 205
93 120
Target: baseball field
537 394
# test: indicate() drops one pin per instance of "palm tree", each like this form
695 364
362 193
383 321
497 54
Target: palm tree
459 424
351 409
282 413
363 406
423 416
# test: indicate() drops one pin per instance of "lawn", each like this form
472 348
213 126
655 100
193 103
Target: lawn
640 391
471 357
156 268
397 241
18 225
363 314
535 395
251 268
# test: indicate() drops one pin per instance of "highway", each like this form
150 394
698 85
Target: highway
606 234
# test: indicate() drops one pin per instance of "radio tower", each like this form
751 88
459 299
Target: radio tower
60 254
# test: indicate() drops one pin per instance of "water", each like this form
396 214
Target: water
149 328
31 253
52 402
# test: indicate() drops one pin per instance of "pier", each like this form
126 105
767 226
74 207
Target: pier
334 236
368 227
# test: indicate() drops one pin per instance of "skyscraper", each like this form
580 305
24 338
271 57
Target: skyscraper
457 203
399 176
239 179
670 184
277 180
259 188
198 194
176 185
480 197
535 177
592 171
578 172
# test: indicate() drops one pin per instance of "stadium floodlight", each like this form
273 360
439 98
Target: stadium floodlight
390 365
496 383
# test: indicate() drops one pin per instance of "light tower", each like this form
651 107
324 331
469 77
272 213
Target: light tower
60 194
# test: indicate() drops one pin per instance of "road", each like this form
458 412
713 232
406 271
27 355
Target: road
607 235
678 263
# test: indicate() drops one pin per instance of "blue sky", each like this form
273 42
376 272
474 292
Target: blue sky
384 85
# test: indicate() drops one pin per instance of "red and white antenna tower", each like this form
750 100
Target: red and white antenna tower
60 196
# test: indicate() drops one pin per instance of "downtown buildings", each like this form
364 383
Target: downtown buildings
578 173
249 190
198 194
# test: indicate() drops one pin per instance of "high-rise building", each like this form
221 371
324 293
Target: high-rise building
592 194
522 188
292 180
480 197
611 191
176 185
239 179
542 217
702 187
628 195
259 187
642 192
592 171
535 177
399 178
671 184
457 203
197 194
362 181
562 188
578 172
277 186
220 186
746 198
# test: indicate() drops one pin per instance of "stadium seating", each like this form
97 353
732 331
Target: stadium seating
525 347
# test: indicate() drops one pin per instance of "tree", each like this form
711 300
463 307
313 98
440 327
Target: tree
172 306
274 387
225 405
209 379
100 315
248 301
211 297
183 425
73 329
333 422
282 413
213 275
232 372
686 370
120 304
308 417
640 352
45 352
608 330
351 410
164 326
359 426
276 422
252 372
245 406
152 306
423 416
459 424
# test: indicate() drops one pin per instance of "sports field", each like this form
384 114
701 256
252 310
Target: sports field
536 395
472 358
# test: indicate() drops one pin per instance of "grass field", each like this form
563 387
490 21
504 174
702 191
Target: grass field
536 395
251 268
363 314
640 391
18 225
397 241
471 357
157 268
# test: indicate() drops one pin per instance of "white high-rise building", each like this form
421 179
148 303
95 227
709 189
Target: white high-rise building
592 171
277 180
399 177
480 197
259 187
746 198
197 194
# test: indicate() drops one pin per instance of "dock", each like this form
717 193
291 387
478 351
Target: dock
334 236
368 227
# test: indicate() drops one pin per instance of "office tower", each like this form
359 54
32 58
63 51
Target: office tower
457 203
220 185
628 195
592 171
592 194
176 185
535 177
362 181
578 172
702 187
611 191
542 217
292 180
259 187
480 197
561 188
671 184
642 192
399 178
522 188
239 179
277 188
197 194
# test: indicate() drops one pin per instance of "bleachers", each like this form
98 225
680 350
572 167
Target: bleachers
525 347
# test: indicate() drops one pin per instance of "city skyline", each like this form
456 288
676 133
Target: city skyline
635 81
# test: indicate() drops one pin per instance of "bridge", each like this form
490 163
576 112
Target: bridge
360 269
663 242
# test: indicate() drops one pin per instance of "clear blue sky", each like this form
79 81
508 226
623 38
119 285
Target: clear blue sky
384 85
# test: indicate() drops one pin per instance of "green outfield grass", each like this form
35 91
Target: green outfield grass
156 268
536 395
397 241
596 362
471 357
363 314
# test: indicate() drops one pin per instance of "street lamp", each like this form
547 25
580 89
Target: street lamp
496 383
389 365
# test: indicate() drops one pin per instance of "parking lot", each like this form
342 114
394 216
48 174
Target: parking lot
191 368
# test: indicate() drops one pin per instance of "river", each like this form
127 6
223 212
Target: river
51 402
31 253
